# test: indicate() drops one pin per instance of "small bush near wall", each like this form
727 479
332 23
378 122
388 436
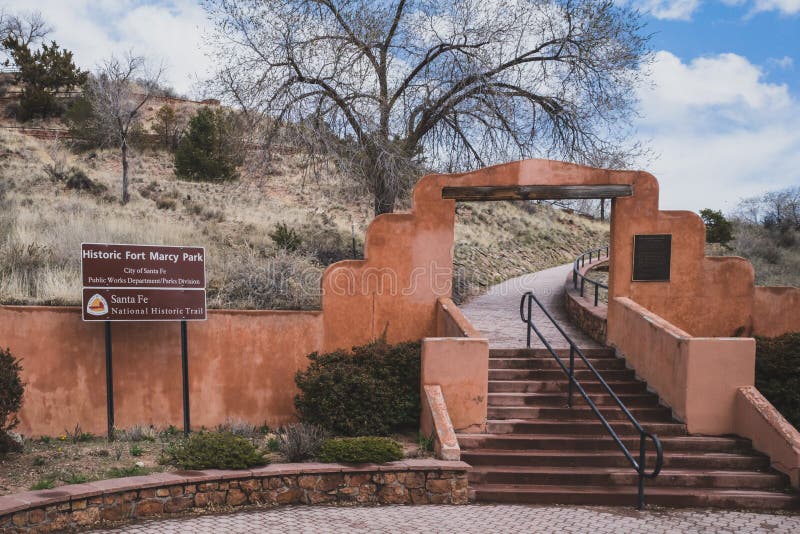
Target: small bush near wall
373 390
778 373
11 391
300 441
361 450
214 450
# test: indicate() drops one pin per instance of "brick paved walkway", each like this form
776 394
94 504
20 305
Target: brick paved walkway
473 518
496 313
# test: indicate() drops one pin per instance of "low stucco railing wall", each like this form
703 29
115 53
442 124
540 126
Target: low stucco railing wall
697 377
708 382
454 380
757 419
115 501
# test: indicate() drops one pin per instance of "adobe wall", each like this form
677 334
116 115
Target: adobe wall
241 364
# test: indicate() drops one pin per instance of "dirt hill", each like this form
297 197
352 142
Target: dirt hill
53 199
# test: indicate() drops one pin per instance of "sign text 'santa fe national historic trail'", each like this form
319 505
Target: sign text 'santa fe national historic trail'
143 283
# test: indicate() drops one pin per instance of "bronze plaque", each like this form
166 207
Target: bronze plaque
108 265
105 304
651 257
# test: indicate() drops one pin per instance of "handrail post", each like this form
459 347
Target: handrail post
596 291
642 460
571 374
530 318
582 284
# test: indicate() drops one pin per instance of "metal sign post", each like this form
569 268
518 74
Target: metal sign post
109 384
185 376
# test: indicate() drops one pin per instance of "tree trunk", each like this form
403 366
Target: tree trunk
384 196
125 195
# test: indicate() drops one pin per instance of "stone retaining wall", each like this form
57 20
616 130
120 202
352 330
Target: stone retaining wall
582 311
79 506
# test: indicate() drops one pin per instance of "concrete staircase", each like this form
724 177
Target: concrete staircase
537 450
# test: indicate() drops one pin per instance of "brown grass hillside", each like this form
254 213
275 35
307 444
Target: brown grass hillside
43 221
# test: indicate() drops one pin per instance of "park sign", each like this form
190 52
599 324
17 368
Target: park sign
143 283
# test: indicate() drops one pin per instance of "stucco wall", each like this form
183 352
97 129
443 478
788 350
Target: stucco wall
697 377
241 364
776 311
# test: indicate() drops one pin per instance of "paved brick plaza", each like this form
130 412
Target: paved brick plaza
473 519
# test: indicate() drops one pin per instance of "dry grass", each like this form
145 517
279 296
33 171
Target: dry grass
775 255
42 225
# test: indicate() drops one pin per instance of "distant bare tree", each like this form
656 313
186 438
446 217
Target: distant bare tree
28 28
117 92
391 88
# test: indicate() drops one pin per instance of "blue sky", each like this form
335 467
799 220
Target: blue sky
720 111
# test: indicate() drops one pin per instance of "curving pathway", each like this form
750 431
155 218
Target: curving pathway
470 519
496 313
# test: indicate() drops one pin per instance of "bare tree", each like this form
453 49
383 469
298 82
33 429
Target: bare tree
28 28
392 87
116 93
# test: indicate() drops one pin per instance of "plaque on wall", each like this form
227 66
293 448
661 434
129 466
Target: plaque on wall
651 257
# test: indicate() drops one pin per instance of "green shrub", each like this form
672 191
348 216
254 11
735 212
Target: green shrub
130 471
778 373
361 450
285 237
208 150
48 482
11 392
136 450
373 390
214 450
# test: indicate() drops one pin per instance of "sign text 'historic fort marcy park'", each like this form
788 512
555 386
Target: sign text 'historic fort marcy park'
143 283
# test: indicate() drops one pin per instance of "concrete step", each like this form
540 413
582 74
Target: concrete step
600 364
558 458
645 414
615 476
626 496
544 353
560 399
582 428
541 386
599 443
582 375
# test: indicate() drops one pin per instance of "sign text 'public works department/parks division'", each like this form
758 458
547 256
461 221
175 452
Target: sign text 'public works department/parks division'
143 283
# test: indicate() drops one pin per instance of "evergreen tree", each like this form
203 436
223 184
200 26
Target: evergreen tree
207 151
43 73
718 228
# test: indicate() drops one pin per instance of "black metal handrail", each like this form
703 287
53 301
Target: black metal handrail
640 464
579 262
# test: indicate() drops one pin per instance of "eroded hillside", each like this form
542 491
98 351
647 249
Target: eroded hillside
53 199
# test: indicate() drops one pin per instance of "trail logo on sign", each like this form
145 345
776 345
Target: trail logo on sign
97 305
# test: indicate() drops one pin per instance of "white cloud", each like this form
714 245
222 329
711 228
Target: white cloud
669 9
168 31
684 9
721 131
787 7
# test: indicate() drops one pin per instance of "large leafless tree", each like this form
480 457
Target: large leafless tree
117 92
394 86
